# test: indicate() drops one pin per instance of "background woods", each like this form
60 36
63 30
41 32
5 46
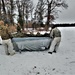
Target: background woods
24 11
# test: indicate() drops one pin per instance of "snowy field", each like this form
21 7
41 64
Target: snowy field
42 63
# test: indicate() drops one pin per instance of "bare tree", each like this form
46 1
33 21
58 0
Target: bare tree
39 12
52 10
31 10
2 10
19 7
28 10
11 11
0 7
7 10
3 4
24 9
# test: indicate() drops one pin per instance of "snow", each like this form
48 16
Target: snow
42 63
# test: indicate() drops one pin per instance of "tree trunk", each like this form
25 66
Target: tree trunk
4 7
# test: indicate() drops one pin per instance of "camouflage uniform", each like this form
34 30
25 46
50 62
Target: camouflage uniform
6 40
56 36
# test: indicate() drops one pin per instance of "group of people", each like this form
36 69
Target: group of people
6 36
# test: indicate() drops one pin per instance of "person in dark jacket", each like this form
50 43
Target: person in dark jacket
56 39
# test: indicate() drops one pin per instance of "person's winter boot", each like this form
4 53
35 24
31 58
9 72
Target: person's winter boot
54 51
7 53
50 52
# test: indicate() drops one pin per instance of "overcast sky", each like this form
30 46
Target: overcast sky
67 15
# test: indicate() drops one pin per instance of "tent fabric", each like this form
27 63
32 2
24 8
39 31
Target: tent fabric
32 43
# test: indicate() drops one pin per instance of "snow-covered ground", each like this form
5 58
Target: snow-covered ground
42 63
